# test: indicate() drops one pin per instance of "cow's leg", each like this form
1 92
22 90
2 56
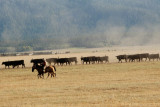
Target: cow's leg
52 74
130 60
133 60
39 75
126 60
43 76
121 60
48 75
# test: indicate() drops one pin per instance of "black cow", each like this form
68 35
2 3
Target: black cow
144 55
14 63
153 56
90 59
61 61
103 59
72 59
85 60
37 61
122 57
134 57
52 60
18 62
8 63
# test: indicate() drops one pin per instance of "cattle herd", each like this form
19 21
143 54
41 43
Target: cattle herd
86 60
138 57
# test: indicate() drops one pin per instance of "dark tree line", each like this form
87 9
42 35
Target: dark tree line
27 25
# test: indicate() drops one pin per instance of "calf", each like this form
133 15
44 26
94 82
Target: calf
50 70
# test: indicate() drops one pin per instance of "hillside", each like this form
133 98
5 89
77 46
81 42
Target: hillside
53 24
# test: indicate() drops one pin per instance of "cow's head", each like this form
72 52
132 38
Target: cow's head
82 58
34 67
3 63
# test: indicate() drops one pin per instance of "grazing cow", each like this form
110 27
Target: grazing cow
14 63
93 59
17 63
40 62
50 70
51 60
86 60
144 55
8 63
104 58
72 59
97 59
134 57
153 56
122 57
61 61
39 69
36 61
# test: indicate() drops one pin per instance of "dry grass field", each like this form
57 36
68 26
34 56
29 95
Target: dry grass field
115 84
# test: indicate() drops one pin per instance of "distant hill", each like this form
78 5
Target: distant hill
52 24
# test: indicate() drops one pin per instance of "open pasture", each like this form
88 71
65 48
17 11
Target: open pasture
114 84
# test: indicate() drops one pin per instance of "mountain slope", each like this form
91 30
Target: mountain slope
50 24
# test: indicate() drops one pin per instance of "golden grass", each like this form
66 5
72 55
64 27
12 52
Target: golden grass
116 84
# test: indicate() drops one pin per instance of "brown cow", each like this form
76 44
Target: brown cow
50 70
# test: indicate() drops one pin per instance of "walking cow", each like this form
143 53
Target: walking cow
134 57
122 57
144 55
153 57
14 63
